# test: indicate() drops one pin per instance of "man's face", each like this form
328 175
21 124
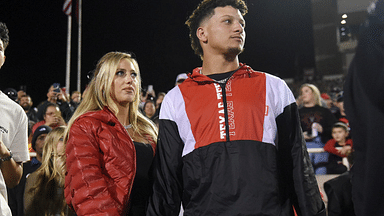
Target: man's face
2 55
223 32
51 114
76 97
26 103
40 144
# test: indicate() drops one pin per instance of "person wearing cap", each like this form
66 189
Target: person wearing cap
340 133
180 78
16 194
13 136
340 114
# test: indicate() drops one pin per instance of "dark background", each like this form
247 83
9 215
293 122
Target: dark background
279 40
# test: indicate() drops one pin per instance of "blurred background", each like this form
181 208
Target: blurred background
297 40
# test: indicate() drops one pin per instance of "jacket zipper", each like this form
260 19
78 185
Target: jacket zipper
224 95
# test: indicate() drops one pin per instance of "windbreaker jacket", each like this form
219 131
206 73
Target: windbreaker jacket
101 165
232 149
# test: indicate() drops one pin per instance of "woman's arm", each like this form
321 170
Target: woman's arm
86 182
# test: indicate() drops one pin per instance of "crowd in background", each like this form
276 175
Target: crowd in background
59 106
320 121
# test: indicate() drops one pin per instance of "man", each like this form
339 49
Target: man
16 194
56 96
75 99
52 117
26 103
364 106
230 141
13 136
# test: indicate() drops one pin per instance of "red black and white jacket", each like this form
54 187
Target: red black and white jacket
232 149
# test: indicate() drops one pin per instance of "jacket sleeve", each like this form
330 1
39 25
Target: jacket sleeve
168 186
330 147
86 188
296 171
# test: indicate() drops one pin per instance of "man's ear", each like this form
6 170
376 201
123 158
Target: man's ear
201 34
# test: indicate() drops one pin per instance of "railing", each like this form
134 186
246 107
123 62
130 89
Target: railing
321 150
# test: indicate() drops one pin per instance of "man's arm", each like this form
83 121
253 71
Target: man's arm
168 164
12 170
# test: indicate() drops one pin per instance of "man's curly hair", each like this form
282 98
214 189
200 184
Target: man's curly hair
4 34
204 10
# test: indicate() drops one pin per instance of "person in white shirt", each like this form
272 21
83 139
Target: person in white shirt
13 136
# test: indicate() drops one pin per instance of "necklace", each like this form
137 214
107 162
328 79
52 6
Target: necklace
127 126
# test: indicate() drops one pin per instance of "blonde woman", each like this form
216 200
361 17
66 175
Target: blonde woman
44 189
316 122
110 143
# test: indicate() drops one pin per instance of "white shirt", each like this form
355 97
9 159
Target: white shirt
14 134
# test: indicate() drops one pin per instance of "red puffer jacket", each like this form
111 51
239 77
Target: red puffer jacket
101 165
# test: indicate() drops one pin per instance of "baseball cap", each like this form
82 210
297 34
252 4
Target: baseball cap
181 77
43 129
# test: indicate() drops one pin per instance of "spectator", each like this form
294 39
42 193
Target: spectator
44 189
103 163
11 93
340 139
317 123
230 141
26 103
150 110
180 78
20 94
75 99
16 194
52 117
159 99
55 96
326 101
340 115
13 137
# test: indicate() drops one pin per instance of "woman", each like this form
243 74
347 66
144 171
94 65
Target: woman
316 122
44 189
110 143
150 110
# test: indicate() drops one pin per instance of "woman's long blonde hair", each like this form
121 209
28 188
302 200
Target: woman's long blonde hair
98 94
50 178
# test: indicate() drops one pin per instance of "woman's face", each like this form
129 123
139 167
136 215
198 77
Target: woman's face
149 109
60 152
124 83
307 94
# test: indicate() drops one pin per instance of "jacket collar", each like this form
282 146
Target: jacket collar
104 115
198 77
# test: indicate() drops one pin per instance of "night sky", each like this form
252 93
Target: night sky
279 40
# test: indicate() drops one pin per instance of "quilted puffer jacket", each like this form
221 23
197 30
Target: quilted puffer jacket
101 165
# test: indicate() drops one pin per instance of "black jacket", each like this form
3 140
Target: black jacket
232 149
